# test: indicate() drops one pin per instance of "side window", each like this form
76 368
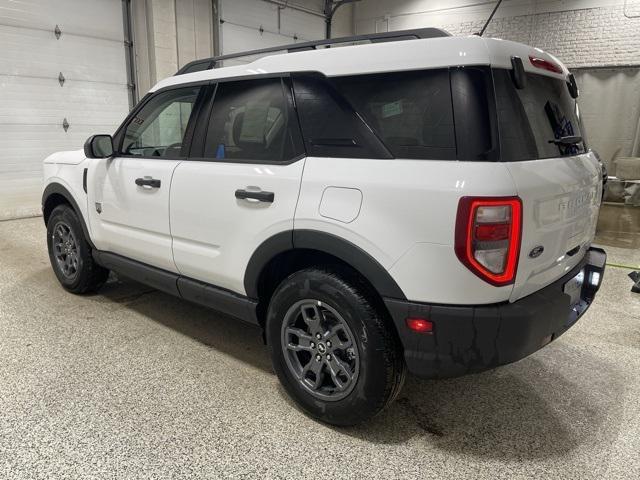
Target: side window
252 120
158 129
411 112
330 125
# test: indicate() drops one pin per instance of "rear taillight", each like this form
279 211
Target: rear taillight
545 64
488 237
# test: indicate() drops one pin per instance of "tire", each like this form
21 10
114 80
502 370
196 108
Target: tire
70 253
344 387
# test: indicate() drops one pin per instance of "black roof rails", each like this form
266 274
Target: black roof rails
398 35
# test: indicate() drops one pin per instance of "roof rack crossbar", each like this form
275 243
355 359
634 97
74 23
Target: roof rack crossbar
398 35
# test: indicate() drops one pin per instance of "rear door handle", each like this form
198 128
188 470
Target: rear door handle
258 195
148 182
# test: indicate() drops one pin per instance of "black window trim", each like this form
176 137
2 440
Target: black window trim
196 153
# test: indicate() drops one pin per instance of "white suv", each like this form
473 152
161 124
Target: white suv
421 202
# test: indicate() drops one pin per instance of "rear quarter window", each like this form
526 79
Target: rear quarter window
411 112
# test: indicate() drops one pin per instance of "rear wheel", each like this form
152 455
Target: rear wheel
70 253
332 348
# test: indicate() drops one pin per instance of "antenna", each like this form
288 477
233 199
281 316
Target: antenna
490 17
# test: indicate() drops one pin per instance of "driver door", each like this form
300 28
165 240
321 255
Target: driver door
129 192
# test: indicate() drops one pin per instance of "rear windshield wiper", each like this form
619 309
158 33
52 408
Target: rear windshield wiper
572 140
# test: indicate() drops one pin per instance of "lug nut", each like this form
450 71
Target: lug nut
318 336
329 344
328 356
318 358
312 345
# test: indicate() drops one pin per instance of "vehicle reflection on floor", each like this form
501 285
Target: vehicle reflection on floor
619 226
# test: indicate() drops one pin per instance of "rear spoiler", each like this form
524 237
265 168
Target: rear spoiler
519 77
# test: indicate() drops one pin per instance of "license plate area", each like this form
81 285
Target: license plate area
573 288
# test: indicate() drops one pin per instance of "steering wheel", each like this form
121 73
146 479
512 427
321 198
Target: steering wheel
160 152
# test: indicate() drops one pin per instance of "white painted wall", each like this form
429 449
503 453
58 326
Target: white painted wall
167 35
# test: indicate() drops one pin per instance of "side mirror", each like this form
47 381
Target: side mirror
98 146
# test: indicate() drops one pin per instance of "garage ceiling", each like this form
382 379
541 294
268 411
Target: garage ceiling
93 97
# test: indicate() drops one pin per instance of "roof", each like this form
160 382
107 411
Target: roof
414 54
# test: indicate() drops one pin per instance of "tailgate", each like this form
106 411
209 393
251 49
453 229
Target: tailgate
561 199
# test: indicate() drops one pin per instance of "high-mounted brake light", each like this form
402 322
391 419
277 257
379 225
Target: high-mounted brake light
488 231
545 64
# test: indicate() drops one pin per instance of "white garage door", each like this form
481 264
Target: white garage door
89 53
243 19
250 25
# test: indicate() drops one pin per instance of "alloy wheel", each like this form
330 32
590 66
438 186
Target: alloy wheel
320 349
65 250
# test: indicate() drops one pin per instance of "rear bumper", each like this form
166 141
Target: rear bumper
469 339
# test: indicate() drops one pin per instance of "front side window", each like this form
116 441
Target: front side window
534 119
158 129
251 120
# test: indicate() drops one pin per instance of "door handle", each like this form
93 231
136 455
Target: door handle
259 195
148 182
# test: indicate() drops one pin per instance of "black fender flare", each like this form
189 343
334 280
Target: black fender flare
58 189
327 243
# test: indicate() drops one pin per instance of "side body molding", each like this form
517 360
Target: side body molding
327 243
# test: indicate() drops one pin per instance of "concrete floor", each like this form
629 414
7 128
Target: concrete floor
133 383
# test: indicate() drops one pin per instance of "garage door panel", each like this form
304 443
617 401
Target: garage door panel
250 12
24 148
33 53
28 145
305 25
94 98
93 18
40 101
239 39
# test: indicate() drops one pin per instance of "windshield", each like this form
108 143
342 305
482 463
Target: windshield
536 121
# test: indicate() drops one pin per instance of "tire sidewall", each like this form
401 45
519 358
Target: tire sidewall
371 389
68 216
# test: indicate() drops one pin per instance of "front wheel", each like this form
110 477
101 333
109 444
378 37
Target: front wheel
70 253
332 348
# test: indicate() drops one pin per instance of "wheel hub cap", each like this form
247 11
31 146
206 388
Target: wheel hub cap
320 349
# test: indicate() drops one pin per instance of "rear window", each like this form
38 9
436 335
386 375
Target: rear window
411 112
530 119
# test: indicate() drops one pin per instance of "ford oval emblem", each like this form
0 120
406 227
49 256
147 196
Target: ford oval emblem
536 252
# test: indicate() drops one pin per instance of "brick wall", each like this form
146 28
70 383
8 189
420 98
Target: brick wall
600 36
582 33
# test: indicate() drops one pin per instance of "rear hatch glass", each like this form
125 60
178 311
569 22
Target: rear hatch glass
532 118
558 181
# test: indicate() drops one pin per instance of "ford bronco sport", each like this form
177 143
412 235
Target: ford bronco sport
421 202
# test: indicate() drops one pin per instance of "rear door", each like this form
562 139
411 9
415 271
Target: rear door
240 186
128 193
560 184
